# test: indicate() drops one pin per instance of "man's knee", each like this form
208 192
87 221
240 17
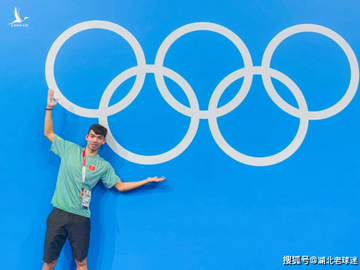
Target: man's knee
81 264
49 266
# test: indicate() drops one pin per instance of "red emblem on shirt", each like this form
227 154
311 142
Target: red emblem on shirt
92 168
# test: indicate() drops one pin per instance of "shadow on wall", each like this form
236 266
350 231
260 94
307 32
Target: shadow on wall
98 235
101 256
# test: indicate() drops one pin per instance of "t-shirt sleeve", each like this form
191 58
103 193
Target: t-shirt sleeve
59 146
110 178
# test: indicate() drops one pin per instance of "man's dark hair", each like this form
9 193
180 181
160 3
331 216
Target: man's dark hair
98 129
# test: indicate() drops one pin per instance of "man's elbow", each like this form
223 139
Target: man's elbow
120 187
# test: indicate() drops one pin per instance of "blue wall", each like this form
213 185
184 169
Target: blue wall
283 181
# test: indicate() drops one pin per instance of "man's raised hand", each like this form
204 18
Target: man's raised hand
50 101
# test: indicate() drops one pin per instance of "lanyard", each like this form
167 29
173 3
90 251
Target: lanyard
84 194
83 167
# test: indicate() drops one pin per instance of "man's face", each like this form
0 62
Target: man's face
94 141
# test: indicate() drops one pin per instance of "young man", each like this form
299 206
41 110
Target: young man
79 172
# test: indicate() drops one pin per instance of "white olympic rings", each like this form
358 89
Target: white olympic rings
194 111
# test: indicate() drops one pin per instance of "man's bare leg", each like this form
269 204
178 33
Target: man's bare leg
49 266
81 265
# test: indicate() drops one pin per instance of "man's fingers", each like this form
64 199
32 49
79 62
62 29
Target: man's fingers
157 179
160 179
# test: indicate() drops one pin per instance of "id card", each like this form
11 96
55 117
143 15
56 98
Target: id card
86 197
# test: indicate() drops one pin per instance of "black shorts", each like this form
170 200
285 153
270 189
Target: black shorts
61 225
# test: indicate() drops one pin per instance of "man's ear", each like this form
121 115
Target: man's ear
104 141
86 136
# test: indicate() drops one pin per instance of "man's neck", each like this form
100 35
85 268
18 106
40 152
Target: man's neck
90 152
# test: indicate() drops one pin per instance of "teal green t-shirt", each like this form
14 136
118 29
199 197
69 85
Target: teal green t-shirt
69 181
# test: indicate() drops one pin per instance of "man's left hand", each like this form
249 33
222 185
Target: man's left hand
155 179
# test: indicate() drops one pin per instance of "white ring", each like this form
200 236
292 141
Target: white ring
192 27
50 62
354 67
155 159
270 160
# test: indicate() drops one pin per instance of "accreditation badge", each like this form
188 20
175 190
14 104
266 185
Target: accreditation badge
86 197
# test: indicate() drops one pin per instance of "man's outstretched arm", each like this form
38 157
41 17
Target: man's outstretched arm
48 125
125 186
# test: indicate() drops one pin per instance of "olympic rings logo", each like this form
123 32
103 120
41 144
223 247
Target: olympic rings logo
213 111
